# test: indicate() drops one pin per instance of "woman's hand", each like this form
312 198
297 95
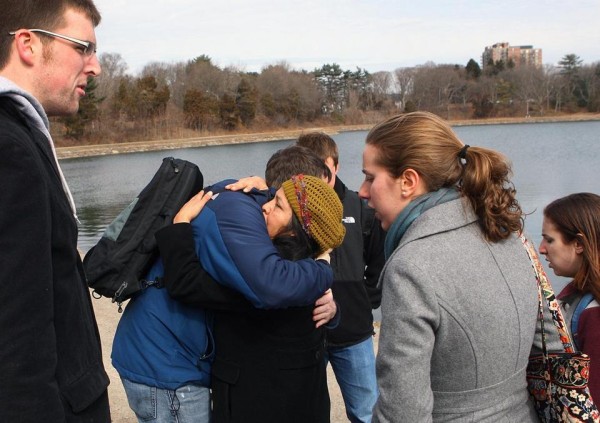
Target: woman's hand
325 309
247 184
192 208
325 255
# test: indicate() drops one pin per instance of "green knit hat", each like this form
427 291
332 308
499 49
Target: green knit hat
318 208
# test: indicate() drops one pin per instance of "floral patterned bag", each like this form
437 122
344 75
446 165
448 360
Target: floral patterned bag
557 382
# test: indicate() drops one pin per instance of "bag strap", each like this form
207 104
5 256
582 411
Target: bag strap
585 300
553 306
541 318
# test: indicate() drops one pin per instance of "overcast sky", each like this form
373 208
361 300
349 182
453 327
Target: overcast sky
374 35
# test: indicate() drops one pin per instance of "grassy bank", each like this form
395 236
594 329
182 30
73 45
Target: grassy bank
239 138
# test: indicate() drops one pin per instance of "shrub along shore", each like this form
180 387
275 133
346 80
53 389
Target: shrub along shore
240 138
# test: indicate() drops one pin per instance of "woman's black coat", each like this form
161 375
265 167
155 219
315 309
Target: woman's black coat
269 364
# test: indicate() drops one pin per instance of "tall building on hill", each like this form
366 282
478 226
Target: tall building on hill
518 55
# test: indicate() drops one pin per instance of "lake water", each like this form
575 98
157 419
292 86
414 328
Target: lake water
550 160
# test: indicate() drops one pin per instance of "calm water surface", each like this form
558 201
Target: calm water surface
549 160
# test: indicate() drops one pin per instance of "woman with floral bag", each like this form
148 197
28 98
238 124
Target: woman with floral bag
571 245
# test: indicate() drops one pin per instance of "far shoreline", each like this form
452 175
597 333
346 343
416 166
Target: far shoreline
243 138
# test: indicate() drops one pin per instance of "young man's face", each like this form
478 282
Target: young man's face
64 67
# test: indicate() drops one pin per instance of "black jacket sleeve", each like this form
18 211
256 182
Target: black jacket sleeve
374 237
186 280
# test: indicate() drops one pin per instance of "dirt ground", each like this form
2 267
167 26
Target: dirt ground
108 318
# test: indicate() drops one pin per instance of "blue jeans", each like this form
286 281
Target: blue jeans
354 369
187 404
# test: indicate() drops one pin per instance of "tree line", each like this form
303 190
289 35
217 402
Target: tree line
197 97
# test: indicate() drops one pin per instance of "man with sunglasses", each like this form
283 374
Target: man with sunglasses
50 354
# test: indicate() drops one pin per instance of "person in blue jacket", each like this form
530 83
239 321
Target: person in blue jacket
163 348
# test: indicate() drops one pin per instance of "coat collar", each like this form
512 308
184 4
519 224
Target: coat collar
441 218
33 111
340 188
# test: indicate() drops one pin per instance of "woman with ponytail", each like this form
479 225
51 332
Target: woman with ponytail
459 302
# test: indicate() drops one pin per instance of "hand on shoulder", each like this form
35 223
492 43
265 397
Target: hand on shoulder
192 208
247 184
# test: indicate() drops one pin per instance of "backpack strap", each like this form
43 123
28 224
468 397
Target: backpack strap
585 300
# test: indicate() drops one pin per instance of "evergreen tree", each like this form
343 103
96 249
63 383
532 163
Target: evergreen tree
203 58
121 102
575 94
333 81
246 101
199 109
361 81
228 112
292 106
267 105
570 64
75 125
151 101
473 69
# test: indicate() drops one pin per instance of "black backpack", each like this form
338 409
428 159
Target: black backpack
116 265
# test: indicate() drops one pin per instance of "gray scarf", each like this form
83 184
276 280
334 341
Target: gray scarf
34 111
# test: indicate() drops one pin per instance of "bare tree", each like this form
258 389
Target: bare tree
483 96
286 95
404 83
437 86
382 89
113 69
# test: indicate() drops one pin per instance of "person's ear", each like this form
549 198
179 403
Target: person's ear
578 246
412 184
27 47
330 164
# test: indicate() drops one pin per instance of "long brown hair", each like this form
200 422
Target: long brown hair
425 143
577 218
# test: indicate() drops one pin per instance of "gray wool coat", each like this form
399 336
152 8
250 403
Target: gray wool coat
458 323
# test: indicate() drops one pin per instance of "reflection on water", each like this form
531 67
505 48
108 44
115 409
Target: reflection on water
550 160
94 220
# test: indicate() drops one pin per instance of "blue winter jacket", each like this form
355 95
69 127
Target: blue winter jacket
164 343
236 250
161 342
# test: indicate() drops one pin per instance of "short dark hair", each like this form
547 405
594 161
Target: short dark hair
291 161
43 14
321 144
